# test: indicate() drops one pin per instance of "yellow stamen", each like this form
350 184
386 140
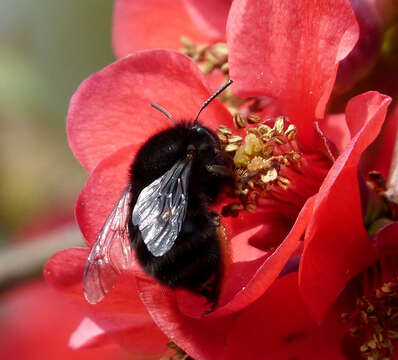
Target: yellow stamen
260 156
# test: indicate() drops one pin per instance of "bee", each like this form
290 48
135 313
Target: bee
163 214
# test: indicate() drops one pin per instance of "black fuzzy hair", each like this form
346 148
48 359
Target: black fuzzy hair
195 260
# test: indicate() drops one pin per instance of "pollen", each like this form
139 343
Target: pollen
209 57
374 321
267 159
239 121
177 353
214 57
261 157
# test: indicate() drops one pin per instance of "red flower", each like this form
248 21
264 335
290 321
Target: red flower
373 62
121 315
289 51
368 66
161 23
36 323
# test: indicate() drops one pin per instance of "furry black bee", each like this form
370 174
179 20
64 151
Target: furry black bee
163 214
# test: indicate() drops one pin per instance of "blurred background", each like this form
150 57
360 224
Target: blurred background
47 48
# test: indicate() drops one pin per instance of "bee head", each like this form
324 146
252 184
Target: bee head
202 140
209 160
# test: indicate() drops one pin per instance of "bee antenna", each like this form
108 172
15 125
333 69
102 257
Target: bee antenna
211 98
164 112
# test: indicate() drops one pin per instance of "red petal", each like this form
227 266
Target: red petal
64 271
103 188
112 108
36 324
210 16
274 230
290 50
87 335
278 326
200 338
121 314
250 271
378 156
336 130
248 279
149 24
337 246
366 53
386 239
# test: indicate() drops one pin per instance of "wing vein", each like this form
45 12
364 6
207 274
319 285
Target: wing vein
110 254
161 208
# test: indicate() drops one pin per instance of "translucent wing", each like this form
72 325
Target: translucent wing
161 208
111 252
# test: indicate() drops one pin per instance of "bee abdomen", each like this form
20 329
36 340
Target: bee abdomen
193 263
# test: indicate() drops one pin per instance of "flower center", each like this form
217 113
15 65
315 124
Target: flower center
213 57
374 320
269 165
208 57
270 168
373 330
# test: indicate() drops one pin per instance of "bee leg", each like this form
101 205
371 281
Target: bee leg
215 218
219 170
213 306
211 291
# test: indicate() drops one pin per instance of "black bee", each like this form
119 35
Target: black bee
163 214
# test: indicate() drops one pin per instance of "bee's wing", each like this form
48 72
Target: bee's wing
161 208
111 252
